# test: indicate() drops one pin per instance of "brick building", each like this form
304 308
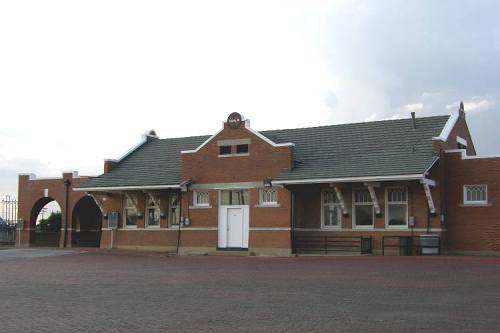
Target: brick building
276 192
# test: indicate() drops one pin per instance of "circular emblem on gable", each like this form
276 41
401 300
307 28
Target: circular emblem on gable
234 120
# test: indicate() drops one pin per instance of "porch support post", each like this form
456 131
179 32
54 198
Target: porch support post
338 191
373 195
427 183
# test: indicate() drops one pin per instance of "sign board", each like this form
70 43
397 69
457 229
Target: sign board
234 120
113 218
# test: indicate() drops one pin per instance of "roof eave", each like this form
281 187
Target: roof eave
348 179
125 188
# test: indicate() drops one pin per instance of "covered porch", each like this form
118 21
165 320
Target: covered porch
379 216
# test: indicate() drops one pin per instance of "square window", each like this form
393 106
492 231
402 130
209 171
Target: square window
242 149
268 196
225 150
234 197
396 215
364 215
331 215
201 199
475 194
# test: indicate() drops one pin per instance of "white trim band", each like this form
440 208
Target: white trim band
448 127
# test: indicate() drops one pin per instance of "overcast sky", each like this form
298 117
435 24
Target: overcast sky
81 81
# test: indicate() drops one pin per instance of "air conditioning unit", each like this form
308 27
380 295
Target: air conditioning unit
113 218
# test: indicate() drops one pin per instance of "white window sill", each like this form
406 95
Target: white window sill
370 227
200 207
328 227
130 227
152 227
234 155
396 227
268 206
478 204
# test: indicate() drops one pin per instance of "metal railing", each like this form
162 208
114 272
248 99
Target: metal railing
8 209
412 245
8 233
327 244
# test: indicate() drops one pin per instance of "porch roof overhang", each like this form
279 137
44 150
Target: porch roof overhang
125 188
348 179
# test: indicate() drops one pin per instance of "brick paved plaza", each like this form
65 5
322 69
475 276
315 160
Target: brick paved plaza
61 291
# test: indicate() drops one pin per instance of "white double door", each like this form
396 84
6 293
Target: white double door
233 226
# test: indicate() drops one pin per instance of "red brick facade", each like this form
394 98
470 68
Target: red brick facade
298 211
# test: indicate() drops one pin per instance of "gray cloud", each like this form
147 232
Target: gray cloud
420 53
10 168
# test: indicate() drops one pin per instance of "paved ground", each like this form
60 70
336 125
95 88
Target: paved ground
110 292
13 254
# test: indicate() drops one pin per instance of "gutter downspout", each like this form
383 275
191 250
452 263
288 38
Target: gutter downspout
179 198
67 183
292 218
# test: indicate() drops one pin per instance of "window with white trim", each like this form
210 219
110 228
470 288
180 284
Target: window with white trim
268 196
201 198
475 194
233 197
152 214
174 209
331 210
242 149
363 209
225 150
397 207
129 214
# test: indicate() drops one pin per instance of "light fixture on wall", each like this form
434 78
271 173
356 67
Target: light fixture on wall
268 182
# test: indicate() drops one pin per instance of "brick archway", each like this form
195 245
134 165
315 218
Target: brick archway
34 193
86 223
50 238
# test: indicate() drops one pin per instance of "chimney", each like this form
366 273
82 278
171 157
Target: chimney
414 121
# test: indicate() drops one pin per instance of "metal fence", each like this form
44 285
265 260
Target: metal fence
8 221
411 245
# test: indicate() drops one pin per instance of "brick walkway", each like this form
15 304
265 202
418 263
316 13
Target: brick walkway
103 292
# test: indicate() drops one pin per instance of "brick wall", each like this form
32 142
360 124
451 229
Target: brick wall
472 228
264 161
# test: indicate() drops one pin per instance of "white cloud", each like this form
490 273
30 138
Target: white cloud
476 104
413 107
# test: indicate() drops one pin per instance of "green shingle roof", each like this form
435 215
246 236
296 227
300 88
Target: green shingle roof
380 148
157 162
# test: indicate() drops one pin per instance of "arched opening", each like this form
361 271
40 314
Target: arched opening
86 223
46 219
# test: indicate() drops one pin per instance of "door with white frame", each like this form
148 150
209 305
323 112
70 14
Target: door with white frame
233 219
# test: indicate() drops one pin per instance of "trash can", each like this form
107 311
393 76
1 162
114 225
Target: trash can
405 246
429 244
